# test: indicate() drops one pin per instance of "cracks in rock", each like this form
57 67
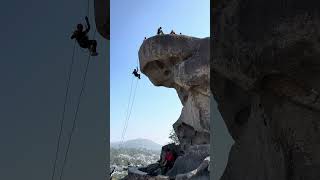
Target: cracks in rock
202 123
285 142
289 165
263 115
264 121
295 91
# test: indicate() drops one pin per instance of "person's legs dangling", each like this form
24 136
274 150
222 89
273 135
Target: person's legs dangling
93 47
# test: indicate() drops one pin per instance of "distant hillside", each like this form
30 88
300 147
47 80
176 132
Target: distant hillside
138 144
121 158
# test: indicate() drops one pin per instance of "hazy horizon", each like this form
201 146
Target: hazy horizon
134 139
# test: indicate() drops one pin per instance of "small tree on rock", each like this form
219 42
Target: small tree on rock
173 137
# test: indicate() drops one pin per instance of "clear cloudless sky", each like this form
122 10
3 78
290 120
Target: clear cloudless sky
155 109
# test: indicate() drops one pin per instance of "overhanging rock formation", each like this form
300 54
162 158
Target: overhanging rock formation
102 17
182 63
265 75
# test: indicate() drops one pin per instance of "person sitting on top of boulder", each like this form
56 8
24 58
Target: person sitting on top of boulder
172 32
83 40
135 73
159 31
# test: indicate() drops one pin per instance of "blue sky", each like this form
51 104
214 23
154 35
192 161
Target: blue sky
155 109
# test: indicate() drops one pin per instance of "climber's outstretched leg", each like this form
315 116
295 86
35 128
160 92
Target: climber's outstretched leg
93 47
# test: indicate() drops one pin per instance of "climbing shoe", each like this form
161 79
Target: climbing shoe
94 54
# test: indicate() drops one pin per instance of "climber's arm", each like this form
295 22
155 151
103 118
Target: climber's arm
88 25
73 35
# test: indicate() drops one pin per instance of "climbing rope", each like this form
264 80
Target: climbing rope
129 108
88 7
138 64
64 110
76 114
129 112
134 95
75 117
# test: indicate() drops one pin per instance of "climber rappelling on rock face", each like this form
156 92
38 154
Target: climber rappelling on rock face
83 40
135 73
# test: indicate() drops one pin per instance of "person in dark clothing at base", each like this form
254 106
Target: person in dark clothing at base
83 40
135 73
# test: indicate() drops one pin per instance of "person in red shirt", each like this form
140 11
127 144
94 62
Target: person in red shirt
169 156
169 160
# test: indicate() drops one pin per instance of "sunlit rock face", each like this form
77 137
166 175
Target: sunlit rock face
182 62
102 17
265 74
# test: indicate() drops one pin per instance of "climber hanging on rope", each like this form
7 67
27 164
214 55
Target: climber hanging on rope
135 73
83 40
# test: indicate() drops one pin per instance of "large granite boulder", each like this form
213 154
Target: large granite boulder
265 71
200 173
182 62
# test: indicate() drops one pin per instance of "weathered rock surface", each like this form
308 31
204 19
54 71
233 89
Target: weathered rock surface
135 174
200 173
182 63
265 77
194 165
102 17
194 162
